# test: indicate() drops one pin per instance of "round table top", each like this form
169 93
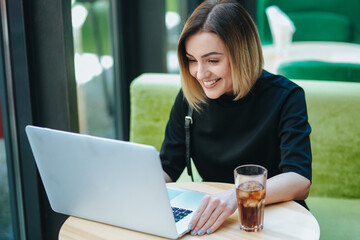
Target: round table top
316 51
287 220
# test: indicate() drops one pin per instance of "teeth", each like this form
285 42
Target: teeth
209 83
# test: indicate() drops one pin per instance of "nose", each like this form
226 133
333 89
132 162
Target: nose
202 72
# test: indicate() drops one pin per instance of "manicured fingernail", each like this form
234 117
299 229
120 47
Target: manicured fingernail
193 232
208 231
190 226
200 232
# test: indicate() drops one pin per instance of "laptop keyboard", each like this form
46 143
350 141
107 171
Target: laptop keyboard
180 213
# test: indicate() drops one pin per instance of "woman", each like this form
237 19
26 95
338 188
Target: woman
243 114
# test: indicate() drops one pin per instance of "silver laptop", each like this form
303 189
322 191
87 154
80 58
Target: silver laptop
110 181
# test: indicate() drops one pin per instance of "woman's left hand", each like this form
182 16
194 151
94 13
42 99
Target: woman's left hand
212 212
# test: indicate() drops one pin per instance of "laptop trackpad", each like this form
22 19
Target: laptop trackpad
173 193
188 199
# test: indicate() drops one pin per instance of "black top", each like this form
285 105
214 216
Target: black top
268 127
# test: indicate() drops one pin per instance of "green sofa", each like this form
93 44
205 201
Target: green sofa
315 20
334 113
330 71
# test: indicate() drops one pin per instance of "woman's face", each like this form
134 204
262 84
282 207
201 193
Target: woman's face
209 63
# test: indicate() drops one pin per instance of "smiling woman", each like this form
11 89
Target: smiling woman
243 115
239 41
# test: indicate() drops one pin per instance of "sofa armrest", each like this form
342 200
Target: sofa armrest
151 98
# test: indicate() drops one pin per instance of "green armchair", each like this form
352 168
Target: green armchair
315 20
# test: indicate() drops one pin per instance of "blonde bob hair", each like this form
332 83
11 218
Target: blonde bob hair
235 27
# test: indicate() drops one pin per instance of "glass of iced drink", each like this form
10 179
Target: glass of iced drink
250 184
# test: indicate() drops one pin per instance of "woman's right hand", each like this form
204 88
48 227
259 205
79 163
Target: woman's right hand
212 212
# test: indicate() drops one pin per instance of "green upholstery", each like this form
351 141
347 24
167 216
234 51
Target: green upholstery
321 26
334 110
331 71
315 20
151 97
338 218
334 113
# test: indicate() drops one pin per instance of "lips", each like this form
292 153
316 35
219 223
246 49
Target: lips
211 82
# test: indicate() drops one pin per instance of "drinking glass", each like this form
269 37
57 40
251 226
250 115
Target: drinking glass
250 184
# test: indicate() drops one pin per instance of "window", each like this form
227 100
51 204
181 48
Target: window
6 231
94 70
172 20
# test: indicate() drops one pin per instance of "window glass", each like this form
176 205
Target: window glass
172 20
6 232
94 66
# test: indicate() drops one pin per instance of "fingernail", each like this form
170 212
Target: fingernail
193 232
190 226
200 232
208 231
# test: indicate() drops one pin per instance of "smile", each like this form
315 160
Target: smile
211 82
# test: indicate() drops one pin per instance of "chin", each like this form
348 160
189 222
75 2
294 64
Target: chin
212 95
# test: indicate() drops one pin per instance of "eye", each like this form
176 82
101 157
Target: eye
213 61
191 60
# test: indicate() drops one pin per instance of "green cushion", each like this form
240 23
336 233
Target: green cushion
337 218
321 26
334 113
317 70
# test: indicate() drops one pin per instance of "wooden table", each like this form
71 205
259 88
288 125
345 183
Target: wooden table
318 51
287 220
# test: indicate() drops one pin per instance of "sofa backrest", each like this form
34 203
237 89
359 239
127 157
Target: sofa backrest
331 71
334 113
315 20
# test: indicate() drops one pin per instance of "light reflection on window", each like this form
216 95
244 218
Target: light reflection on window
94 67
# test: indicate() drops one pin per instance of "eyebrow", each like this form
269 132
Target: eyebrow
205 55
